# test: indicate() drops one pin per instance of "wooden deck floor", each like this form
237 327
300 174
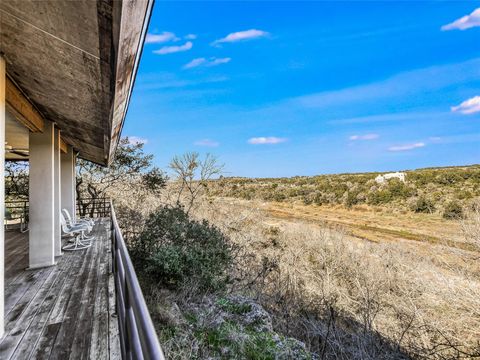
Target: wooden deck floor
63 311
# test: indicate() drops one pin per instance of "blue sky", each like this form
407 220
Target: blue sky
304 88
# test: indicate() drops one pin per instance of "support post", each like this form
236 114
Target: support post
3 76
68 181
41 198
75 154
57 193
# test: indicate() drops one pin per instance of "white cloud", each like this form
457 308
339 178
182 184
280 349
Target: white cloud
406 147
195 63
174 49
190 37
160 38
266 140
134 140
242 35
204 62
465 22
364 137
169 80
469 106
219 61
207 142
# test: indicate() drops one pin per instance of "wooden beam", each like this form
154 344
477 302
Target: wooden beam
20 107
63 145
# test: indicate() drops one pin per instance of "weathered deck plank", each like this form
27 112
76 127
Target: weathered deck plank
81 338
63 311
30 337
99 342
113 331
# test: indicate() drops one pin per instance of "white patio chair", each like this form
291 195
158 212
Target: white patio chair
81 221
78 231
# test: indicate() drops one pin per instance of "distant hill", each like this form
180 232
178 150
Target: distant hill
425 190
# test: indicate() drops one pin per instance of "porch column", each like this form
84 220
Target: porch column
75 155
42 198
2 192
68 181
57 192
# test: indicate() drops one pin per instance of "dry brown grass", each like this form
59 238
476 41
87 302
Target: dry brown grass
357 283
471 225
348 297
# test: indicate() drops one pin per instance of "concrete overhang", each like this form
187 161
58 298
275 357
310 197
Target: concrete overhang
76 62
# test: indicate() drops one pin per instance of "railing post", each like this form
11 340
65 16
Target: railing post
113 242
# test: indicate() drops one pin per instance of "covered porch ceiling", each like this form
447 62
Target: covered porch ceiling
75 62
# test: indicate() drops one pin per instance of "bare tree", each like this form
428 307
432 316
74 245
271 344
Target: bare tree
16 180
193 174
131 170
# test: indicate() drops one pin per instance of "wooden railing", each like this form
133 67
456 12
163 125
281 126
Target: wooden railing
16 214
138 338
16 208
93 208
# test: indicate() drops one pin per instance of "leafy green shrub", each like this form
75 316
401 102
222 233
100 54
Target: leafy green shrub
423 205
174 250
379 197
278 196
453 210
448 178
398 189
307 200
351 198
319 199
393 190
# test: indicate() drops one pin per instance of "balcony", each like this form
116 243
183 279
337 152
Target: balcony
66 75
88 304
61 310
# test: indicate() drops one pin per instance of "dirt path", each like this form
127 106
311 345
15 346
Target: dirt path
369 224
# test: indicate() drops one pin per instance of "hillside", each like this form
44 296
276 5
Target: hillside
448 190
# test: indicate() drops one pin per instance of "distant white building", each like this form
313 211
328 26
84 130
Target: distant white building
382 179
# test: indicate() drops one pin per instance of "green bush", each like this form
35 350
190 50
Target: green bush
423 205
319 199
453 210
379 197
279 196
174 250
351 198
398 189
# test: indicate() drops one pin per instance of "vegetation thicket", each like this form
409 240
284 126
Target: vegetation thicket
442 190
